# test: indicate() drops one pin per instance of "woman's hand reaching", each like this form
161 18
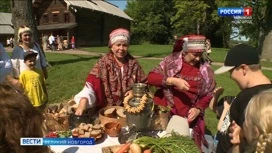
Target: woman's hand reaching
79 111
193 113
181 84
128 93
81 106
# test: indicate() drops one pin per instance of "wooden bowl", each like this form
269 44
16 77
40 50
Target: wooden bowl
104 119
113 129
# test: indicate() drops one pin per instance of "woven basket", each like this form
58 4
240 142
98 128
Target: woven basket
56 124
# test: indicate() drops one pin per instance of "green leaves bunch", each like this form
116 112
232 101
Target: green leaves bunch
174 143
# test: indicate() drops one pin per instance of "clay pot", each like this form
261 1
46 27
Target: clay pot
104 119
75 120
113 129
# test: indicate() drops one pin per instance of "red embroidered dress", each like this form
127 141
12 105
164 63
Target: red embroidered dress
201 81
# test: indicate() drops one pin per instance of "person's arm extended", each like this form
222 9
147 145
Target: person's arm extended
85 99
203 102
93 93
42 60
223 115
155 79
160 81
81 106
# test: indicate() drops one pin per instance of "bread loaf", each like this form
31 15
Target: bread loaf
81 125
86 127
90 125
95 133
110 112
89 130
99 136
87 134
81 132
97 127
120 113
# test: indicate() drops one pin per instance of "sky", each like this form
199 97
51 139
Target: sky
120 3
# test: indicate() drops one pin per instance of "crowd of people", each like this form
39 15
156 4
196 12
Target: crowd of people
57 43
184 81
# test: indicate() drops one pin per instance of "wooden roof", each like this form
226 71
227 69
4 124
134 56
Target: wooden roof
96 5
5 23
57 26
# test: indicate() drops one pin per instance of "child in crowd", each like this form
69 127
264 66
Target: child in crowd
73 42
221 108
243 64
257 127
33 81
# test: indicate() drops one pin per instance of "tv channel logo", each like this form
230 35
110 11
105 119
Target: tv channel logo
31 141
235 11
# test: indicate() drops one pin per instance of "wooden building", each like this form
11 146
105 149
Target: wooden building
90 21
6 27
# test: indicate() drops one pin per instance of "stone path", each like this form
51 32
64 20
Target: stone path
81 52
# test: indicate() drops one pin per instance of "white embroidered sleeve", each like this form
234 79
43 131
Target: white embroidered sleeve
86 92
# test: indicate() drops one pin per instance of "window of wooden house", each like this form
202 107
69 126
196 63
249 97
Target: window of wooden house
66 17
55 16
45 18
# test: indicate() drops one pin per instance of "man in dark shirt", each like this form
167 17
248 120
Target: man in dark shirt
243 63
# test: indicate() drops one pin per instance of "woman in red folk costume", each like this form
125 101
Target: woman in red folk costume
186 83
112 77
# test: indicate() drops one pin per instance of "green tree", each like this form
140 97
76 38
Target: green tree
259 30
5 6
190 16
151 20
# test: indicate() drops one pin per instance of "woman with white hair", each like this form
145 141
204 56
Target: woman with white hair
25 44
5 64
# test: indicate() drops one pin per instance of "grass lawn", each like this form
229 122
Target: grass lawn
150 50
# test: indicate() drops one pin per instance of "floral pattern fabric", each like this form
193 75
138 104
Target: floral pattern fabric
117 81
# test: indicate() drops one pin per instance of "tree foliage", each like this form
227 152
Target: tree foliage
5 6
259 30
190 15
151 20
157 21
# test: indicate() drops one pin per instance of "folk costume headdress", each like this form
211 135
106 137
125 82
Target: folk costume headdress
119 35
190 43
